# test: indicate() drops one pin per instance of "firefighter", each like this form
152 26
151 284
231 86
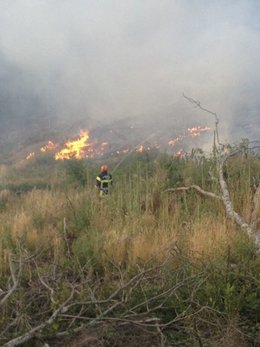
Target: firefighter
103 180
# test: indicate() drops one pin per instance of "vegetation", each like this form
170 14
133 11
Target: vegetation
144 258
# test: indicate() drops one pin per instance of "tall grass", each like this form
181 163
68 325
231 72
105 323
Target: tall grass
138 221
69 227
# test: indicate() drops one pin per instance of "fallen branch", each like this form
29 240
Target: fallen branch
32 333
193 186
15 279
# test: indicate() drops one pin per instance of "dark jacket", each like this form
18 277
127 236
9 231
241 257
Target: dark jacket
103 180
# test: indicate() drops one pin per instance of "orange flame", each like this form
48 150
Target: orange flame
196 131
49 147
174 141
193 132
140 149
74 149
30 156
179 154
81 147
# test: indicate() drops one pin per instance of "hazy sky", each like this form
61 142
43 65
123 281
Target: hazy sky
111 59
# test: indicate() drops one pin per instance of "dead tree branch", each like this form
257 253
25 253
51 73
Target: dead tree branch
32 333
45 285
15 279
197 188
223 156
198 104
249 228
227 199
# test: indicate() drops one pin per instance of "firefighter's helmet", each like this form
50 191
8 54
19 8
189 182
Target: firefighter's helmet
104 168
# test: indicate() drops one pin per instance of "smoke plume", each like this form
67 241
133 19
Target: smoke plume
107 60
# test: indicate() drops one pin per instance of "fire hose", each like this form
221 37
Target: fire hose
129 153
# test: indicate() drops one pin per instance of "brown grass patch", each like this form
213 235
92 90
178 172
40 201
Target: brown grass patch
209 236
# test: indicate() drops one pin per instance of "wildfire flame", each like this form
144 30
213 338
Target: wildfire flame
49 147
191 132
196 131
74 149
174 141
30 156
179 154
83 148
140 149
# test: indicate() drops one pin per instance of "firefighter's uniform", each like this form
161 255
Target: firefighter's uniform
104 180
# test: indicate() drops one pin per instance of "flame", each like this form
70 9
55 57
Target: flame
174 141
196 131
122 151
83 148
49 147
140 149
74 149
191 132
96 150
30 156
179 154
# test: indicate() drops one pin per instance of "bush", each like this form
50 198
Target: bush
76 172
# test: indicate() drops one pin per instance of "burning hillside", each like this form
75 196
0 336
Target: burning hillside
84 147
74 149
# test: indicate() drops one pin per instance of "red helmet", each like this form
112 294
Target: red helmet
104 168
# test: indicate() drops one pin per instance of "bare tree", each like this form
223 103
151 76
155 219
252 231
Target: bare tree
224 153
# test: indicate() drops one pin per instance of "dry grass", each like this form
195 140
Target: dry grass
45 204
204 238
5 195
133 225
136 225
142 247
34 221
209 236
3 172
22 224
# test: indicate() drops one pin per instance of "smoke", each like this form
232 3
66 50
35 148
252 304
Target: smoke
108 60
